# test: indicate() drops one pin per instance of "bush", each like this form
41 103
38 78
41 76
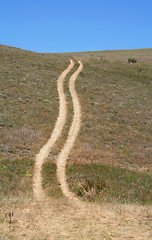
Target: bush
132 60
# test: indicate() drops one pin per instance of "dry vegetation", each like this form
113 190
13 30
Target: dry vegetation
112 158
118 127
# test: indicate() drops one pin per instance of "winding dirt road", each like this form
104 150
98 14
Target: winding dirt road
62 157
73 132
45 150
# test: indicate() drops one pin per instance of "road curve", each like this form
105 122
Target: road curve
73 132
45 150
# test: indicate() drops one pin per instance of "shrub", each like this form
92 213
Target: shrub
132 60
89 189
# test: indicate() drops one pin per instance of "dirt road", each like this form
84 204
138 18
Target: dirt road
73 132
45 150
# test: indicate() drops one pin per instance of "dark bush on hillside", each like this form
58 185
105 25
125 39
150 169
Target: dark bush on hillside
132 60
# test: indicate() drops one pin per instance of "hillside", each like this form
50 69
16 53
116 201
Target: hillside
111 159
142 55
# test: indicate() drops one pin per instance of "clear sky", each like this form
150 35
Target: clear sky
80 25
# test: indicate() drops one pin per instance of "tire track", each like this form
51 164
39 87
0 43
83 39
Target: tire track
45 150
73 132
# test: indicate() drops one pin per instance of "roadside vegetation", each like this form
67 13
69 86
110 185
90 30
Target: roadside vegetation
111 160
101 183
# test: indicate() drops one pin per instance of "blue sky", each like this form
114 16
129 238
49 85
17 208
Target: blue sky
72 26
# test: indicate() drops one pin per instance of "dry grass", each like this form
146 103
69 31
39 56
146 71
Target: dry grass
117 116
59 220
29 99
142 55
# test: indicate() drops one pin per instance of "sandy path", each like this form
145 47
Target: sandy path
45 150
73 132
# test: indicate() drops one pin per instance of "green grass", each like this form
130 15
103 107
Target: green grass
50 183
16 178
98 182
101 183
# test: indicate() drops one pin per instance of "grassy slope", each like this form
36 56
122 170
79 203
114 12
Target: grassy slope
142 55
29 99
116 100
116 111
29 108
